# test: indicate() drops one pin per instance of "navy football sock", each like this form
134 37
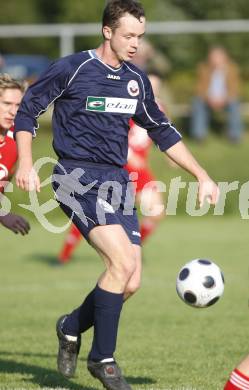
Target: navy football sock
106 318
81 318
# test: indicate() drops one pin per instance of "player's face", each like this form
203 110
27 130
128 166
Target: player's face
125 39
10 100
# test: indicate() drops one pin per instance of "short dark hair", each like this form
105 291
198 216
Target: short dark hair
115 9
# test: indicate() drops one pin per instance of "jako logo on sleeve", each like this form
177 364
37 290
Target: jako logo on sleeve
107 104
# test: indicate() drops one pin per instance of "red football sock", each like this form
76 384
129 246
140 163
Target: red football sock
237 381
147 228
71 241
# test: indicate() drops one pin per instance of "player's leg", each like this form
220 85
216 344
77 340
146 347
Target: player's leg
152 209
135 280
82 318
120 258
70 243
117 252
67 326
199 119
239 378
234 123
103 303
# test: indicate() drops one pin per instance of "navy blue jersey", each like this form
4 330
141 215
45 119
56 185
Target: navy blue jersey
93 103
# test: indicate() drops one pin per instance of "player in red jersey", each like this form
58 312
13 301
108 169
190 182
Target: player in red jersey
147 193
8 154
11 92
70 243
239 378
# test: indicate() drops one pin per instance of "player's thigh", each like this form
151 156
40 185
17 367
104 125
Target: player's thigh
244 366
114 246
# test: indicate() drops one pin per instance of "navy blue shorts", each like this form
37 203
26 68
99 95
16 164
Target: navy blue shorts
93 194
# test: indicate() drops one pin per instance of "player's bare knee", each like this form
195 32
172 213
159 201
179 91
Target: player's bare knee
132 287
123 271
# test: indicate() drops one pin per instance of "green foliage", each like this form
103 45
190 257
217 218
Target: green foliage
19 12
163 10
183 51
78 11
213 9
48 10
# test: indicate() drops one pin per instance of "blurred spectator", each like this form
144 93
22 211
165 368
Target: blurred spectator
155 63
2 63
144 54
217 90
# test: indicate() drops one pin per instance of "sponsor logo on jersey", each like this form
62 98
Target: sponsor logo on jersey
95 104
115 105
133 88
113 77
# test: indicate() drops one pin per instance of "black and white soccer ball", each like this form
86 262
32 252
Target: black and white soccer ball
200 283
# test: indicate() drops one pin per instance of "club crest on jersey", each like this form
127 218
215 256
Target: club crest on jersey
133 88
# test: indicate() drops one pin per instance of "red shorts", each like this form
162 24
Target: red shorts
145 176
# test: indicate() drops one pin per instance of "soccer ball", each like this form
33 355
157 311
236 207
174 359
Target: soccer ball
200 283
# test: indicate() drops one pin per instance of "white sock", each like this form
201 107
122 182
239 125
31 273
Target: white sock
108 360
71 338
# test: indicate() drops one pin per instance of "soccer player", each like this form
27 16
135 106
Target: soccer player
11 92
72 239
95 94
139 145
239 378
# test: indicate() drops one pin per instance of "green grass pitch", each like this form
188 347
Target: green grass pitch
162 344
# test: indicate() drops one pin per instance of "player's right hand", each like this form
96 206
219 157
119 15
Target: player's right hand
27 178
209 191
16 223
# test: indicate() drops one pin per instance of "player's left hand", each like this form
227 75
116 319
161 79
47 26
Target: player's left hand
27 178
16 223
208 190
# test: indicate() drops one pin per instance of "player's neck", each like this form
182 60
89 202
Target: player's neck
107 56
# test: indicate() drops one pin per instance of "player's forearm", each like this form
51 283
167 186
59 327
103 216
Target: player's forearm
183 157
24 146
26 177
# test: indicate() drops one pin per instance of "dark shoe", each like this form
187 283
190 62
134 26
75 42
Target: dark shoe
68 350
109 375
